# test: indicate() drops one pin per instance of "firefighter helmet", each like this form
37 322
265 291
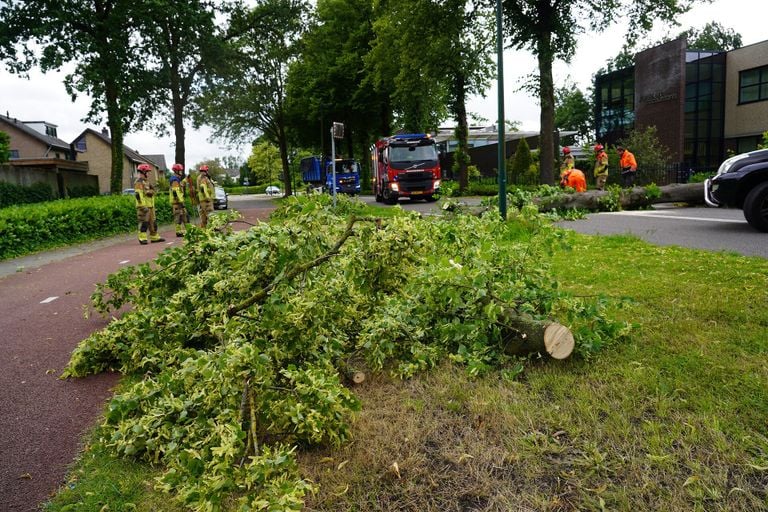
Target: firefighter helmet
177 168
145 168
598 147
566 150
203 168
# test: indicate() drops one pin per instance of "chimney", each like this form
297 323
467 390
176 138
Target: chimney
105 132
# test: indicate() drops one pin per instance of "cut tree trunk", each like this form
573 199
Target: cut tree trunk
527 335
637 197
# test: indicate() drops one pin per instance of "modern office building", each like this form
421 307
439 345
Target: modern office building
702 103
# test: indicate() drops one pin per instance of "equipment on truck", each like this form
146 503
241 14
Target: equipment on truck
405 165
317 171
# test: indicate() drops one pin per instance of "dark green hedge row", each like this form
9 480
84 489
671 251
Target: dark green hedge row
11 194
30 228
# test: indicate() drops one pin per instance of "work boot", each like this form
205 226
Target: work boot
143 242
155 240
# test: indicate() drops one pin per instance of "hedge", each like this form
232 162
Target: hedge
12 194
30 228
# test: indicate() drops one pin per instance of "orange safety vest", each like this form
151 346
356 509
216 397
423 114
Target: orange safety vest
575 179
628 161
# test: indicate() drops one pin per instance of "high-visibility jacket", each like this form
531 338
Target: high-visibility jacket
575 179
628 161
204 188
176 190
601 164
144 193
567 163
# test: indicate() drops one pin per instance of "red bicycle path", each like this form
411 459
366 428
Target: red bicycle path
43 418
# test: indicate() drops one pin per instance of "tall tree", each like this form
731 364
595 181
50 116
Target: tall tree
5 147
99 37
264 162
549 29
247 98
328 83
574 112
712 36
183 40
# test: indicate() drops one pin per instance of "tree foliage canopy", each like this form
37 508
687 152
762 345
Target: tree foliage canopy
5 147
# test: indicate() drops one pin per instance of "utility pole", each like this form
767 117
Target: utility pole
337 132
500 87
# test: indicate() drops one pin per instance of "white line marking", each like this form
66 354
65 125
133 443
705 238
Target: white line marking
681 217
49 299
168 243
124 262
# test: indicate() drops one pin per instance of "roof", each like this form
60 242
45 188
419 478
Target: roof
490 134
129 153
47 139
158 160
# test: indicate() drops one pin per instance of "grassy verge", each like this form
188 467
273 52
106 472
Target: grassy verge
673 420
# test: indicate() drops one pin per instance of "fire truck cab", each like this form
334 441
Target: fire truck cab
405 165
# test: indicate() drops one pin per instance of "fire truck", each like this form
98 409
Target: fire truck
405 166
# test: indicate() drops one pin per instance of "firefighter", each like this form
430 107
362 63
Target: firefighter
575 179
144 192
567 162
176 191
601 167
205 194
628 166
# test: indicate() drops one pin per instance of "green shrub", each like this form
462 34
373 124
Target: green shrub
29 228
83 191
12 194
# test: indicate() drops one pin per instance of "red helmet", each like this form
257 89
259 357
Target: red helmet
598 147
566 150
203 168
144 168
177 167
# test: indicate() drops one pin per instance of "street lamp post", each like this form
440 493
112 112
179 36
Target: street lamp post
500 86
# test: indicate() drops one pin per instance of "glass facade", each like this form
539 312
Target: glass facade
704 109
615 105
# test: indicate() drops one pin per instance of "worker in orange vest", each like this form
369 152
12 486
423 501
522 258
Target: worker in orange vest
628 166
575 179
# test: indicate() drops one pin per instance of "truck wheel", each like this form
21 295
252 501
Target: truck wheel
756 207
378 196
430 198
389 198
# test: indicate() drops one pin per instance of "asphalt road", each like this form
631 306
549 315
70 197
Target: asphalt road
711 229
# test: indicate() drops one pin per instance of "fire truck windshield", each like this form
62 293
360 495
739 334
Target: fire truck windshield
403 157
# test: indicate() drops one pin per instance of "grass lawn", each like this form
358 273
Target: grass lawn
674 419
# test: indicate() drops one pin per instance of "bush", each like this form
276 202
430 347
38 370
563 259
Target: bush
83 191
30 228
12 194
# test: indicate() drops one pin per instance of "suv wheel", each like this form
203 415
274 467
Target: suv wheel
756 207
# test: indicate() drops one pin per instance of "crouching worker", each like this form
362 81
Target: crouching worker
575 179
145 207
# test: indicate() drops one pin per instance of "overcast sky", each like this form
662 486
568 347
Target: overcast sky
42 98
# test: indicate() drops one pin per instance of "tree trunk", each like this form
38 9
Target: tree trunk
690 193
526 335
462 131
115 123
547 100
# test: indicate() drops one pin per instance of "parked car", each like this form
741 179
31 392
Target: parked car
272 190
742 182
221 199
128 191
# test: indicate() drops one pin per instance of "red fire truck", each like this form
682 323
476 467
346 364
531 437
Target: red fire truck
405 166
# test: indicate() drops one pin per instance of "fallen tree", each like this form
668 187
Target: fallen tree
626 199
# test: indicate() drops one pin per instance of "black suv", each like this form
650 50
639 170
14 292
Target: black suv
742 182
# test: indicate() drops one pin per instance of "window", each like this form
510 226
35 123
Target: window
14 153
753 85
80 145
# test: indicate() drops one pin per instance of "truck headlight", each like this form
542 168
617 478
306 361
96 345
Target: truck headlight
437 184
394 187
